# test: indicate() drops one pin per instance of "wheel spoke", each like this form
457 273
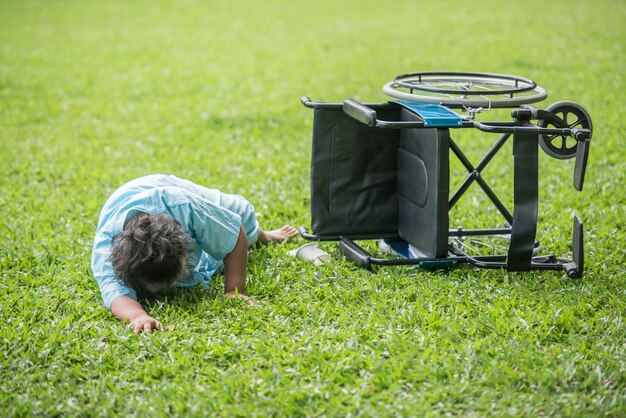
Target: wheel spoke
578 122
483 87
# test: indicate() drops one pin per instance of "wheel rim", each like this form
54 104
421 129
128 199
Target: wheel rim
463 89
572 115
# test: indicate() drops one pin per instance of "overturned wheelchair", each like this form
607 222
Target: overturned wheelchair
382 171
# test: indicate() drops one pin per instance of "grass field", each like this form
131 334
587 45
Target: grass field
93 94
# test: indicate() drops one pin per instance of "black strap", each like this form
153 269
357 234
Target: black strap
525 198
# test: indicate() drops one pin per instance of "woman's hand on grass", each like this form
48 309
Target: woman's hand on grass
127 309
145 323
236 295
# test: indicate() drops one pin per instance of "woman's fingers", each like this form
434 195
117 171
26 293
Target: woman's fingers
146 325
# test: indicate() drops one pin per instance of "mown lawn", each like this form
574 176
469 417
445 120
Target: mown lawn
93 94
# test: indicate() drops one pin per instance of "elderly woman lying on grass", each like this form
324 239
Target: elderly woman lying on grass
159 231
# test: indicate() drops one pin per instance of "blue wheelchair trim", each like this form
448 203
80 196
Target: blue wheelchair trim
434 115
401 248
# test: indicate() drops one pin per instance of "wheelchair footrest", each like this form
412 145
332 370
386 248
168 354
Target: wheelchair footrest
576 268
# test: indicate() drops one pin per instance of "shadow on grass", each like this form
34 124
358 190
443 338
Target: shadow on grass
182 298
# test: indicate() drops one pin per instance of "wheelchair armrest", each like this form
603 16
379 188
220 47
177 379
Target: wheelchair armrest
360 112
355 253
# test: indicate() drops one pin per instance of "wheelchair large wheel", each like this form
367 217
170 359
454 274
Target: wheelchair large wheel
572 115
463 89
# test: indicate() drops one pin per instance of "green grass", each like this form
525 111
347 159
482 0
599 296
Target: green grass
93 94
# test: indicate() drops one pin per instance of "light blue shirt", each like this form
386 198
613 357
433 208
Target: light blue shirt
211 218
